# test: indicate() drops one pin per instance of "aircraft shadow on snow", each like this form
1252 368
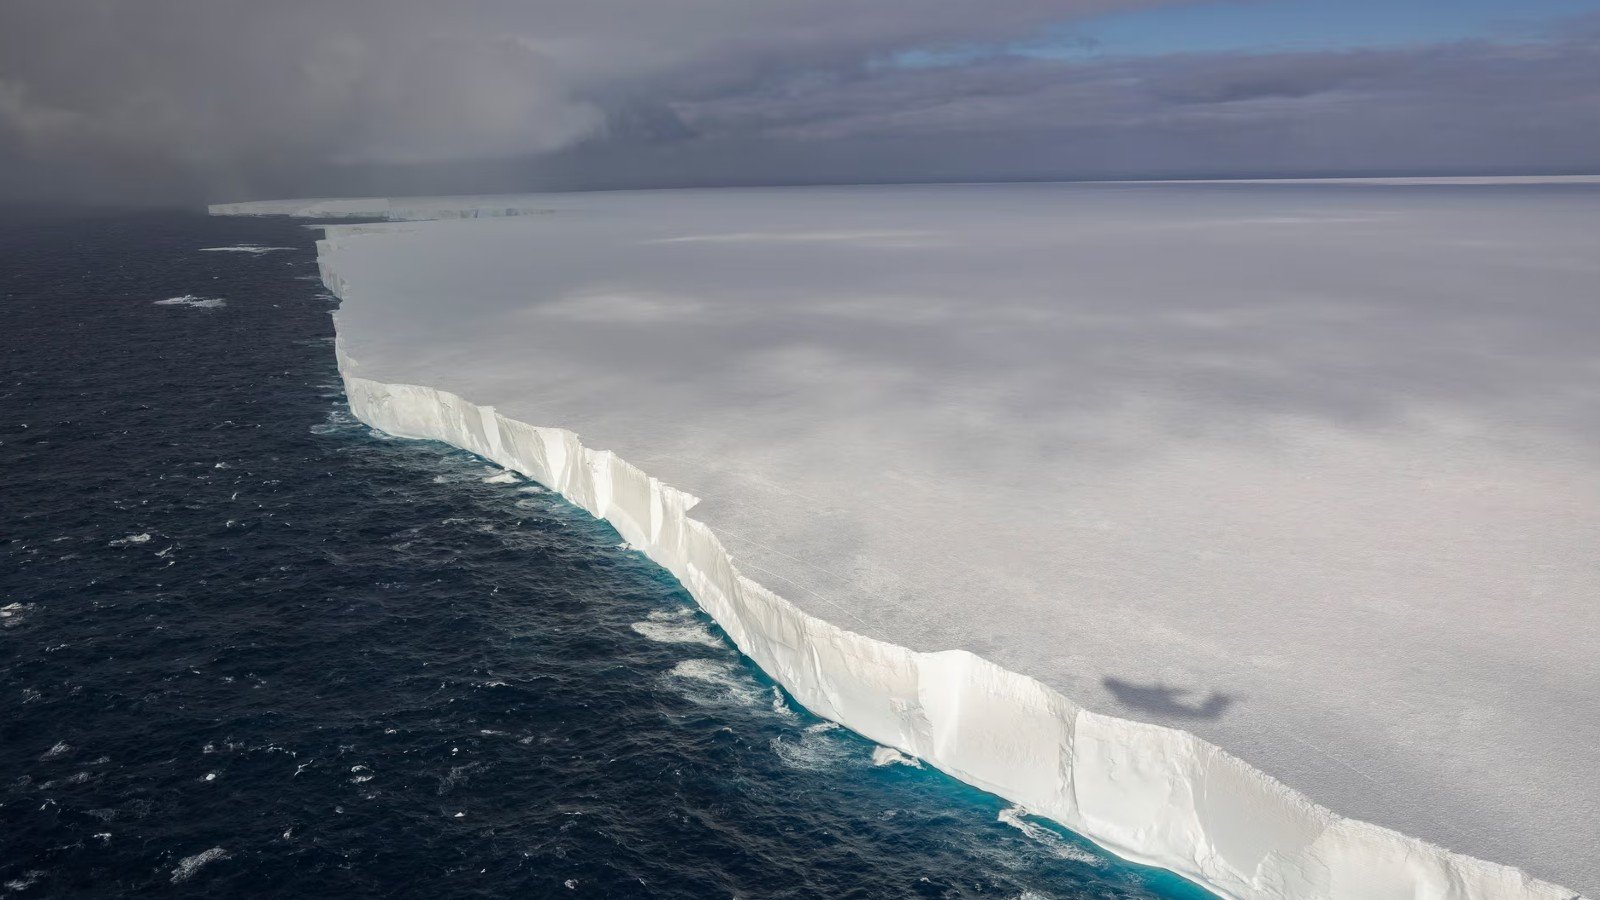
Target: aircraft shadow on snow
1167 701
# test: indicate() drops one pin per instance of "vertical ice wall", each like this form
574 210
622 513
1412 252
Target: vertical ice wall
1148 793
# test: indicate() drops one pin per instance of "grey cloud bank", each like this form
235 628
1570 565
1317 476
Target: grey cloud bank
178 100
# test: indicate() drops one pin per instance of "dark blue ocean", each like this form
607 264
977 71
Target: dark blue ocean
250 648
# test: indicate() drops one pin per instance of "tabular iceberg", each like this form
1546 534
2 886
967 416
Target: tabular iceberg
1130 442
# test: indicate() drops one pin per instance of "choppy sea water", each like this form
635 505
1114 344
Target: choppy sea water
249 647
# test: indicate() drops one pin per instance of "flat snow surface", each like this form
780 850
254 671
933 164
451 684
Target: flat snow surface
1312 471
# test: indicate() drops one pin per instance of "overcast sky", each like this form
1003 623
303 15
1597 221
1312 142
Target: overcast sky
155 101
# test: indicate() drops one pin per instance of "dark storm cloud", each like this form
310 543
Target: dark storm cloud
182 99
1470 106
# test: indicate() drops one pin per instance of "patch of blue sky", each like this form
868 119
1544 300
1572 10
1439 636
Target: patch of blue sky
1272 25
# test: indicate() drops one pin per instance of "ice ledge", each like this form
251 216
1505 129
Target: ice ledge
1151 794
392 210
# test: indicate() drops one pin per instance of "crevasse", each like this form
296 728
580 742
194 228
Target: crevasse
1148 793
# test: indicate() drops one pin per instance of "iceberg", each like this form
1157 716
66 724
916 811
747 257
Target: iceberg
1306 472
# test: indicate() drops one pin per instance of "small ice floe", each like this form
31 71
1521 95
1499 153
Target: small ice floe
1053 843
255 249
210 776
192 300
888 756
192 864
130 540
676 627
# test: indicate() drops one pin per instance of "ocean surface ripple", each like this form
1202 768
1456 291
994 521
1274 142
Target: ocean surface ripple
249 647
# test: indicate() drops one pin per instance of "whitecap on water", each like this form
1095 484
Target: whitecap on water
61 748
255 249
192 864
502 478
676 627
816 748
782 708
192 300
26 881
131 539
337 419
888 756
13 614
1053 843
713 682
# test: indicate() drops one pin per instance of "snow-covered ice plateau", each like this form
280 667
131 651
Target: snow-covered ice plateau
1060 488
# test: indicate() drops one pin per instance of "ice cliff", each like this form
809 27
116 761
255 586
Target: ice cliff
1148 793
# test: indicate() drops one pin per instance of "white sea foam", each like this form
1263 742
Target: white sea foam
1053 843
255 249
13 614
714 682
816 748
888 756
142 538
27 880
677 627
502 478
781 706
60 749
192 300
189 865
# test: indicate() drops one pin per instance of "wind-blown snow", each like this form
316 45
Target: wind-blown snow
1311 472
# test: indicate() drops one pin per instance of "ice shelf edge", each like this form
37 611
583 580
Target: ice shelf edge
1147 793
